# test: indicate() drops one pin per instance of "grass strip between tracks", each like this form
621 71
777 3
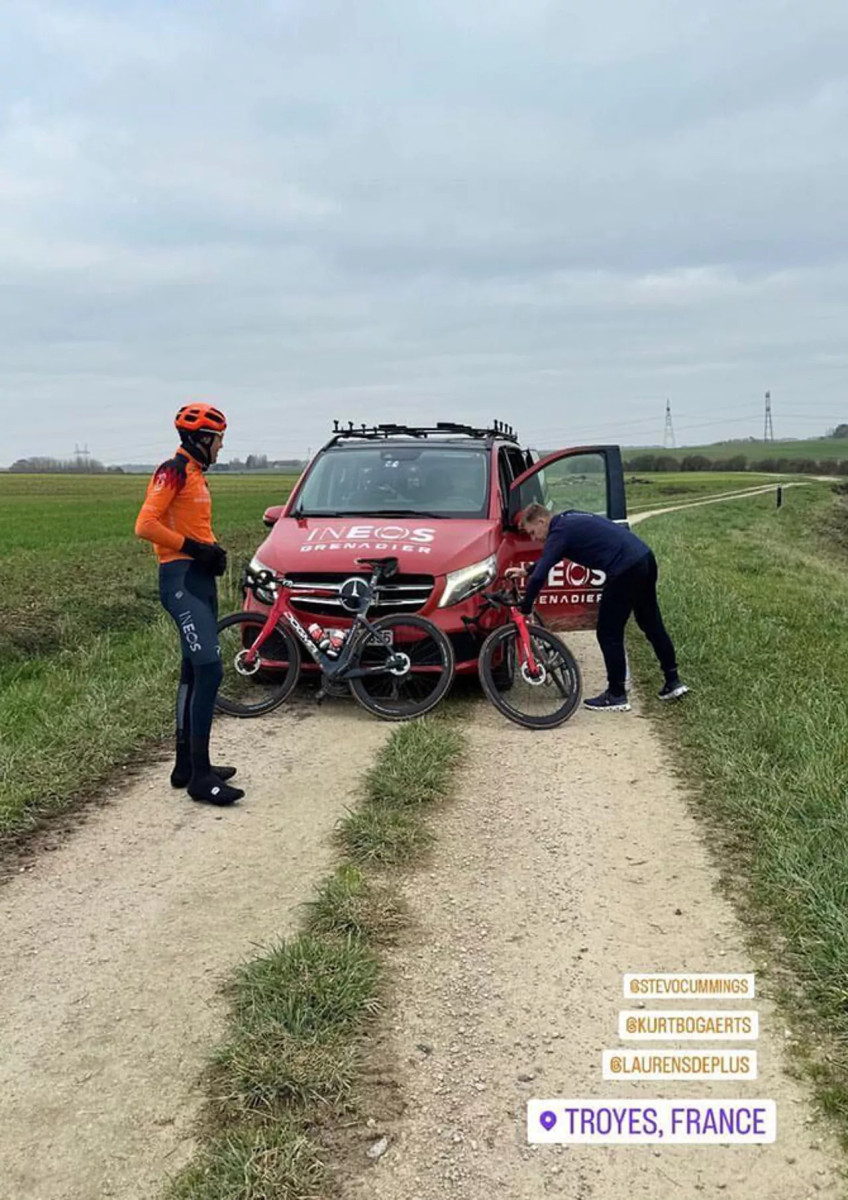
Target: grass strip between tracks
288 1064
755 599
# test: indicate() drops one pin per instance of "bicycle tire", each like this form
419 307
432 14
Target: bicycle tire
398 710
503 673
488 676
288 677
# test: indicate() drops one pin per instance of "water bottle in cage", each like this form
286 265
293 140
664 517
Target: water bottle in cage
319 636
337 638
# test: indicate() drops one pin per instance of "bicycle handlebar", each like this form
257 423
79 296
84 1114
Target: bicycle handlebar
266 577
261 579
509 598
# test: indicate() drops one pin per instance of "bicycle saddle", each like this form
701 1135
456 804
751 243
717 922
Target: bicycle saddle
389 565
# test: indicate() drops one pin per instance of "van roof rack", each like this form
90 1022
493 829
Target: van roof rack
498 429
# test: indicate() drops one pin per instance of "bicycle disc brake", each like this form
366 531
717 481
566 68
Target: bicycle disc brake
243 667
534 680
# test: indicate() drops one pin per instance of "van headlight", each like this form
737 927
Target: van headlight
265 594
461 584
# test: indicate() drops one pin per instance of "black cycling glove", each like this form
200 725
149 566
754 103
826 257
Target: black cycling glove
211 557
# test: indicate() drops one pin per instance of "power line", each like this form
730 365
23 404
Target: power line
622 426
651 420
720 421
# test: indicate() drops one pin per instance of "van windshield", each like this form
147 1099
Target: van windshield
433 480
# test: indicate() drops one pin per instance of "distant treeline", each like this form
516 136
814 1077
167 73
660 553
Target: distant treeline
739 462
259 462
78 466
63 466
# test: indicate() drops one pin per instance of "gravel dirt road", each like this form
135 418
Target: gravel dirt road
115 943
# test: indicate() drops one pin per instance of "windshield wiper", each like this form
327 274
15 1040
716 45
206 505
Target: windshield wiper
305 512
408 512
368 512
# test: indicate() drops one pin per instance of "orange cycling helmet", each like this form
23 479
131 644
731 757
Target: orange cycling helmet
200 418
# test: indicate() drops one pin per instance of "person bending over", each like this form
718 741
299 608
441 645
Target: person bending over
631 587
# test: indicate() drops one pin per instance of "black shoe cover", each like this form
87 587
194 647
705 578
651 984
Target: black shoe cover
181 775
211 789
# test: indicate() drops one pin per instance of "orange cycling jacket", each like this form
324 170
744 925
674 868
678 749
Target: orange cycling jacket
177 506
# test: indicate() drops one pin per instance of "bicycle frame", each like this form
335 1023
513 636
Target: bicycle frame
509 601
333 668
524 639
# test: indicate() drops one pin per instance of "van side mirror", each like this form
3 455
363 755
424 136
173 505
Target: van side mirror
272 515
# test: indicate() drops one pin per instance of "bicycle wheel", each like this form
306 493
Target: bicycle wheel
419 684
250 690
536 703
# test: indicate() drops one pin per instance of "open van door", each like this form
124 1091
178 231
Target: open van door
588 478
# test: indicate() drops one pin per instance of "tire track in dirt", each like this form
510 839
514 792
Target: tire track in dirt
568 859
114 946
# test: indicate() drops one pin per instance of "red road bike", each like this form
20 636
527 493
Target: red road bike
525 670
396 666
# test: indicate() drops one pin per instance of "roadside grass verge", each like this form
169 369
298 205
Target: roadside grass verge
755 599
88 659
67 724
285 1074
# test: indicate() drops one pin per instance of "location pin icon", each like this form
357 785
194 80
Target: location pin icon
547 1120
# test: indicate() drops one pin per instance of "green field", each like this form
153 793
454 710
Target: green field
87 655
755 598
834 449
661 489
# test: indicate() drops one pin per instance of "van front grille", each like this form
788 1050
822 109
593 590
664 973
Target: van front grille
402 594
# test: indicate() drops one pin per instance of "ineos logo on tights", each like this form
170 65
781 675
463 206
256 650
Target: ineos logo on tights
190 632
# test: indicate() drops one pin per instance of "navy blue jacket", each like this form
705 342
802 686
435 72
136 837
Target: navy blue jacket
590 540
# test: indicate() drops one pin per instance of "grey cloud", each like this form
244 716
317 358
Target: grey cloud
298 205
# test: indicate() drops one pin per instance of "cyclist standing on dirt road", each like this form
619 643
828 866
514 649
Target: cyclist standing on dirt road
176 517
631 587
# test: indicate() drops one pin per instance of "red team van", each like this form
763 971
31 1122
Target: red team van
443 500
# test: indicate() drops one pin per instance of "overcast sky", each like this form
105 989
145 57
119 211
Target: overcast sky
554 212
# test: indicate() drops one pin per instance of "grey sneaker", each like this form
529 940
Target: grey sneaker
672 689
606 702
